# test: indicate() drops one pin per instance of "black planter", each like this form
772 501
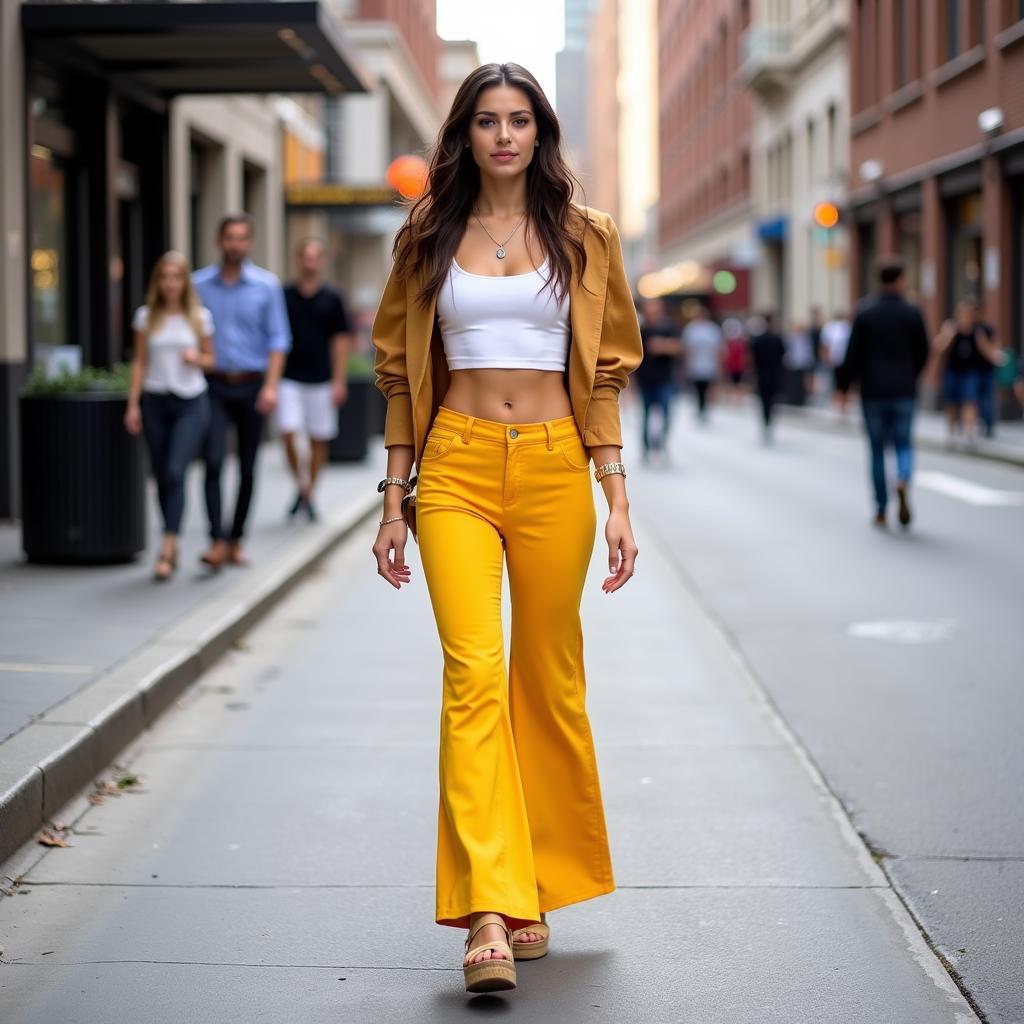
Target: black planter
352 441
83 480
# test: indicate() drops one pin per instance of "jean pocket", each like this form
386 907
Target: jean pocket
436 446
574 454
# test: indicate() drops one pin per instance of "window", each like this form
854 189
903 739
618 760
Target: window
905 29
952 28
866 63
810 152
49 249
831 156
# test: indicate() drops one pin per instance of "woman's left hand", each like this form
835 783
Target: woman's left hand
622 550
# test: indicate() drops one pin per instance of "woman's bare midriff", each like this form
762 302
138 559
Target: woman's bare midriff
509 396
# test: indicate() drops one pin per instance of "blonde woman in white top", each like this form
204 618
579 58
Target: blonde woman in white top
167 400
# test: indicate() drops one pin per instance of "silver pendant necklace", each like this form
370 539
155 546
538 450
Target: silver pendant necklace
500 251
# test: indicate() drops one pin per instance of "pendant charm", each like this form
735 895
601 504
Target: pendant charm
501 252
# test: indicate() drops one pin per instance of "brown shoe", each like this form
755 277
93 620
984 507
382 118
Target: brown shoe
236 556
165 566
215 555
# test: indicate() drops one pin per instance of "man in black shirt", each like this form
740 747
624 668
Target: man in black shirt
314 380
662 347
768 351
887 351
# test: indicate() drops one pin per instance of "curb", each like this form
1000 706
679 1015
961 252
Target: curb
993 451
49 761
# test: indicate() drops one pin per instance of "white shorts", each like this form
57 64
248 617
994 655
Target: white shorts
306 409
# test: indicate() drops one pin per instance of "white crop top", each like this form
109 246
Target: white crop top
504 322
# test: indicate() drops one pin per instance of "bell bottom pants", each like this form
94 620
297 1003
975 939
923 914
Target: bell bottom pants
520 820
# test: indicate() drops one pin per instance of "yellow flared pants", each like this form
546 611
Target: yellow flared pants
520 821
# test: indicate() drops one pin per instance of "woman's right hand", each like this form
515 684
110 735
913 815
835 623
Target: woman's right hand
392 537
133 418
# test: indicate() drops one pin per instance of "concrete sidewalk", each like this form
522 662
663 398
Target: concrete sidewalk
930 431
92 654
278 865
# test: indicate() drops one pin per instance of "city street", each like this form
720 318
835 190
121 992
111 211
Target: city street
779 677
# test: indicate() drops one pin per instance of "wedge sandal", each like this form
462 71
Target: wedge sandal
531 950
489 975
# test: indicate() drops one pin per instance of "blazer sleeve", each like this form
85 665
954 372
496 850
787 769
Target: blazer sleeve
391 375
619 353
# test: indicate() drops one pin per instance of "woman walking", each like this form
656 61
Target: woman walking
970 353
505 332
167 399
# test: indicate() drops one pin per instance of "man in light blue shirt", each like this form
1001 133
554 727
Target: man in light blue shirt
251 338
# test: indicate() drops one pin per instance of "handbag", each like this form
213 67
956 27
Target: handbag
409 510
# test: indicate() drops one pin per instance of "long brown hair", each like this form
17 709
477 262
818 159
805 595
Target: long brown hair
435 223
190 304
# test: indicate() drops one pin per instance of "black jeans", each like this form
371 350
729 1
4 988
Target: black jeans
174 429
701 386
657 396
232 404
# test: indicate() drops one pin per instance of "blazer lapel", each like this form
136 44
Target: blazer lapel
586 308
420 331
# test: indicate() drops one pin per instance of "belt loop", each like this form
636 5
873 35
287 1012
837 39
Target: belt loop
467 433
547 430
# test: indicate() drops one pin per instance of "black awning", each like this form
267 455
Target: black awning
173 49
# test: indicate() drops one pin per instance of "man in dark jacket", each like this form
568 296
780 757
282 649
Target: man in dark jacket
887 351
768 351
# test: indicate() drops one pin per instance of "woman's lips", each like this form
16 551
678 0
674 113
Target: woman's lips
503 158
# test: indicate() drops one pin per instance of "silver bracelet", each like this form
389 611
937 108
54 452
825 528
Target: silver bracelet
396 480
608 469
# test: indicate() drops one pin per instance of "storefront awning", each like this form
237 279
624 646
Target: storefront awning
174 49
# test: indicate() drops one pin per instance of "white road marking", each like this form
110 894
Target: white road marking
903 631
26 666
964 490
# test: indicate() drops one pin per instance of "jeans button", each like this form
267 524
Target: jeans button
513 433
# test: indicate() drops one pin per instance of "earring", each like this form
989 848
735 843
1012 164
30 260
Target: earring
536 142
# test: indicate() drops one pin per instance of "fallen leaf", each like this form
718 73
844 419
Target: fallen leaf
48 837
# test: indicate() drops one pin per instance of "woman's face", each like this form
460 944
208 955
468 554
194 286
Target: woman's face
502 131
964 316
172 282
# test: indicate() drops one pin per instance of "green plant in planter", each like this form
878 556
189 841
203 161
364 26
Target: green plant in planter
360 366
88 379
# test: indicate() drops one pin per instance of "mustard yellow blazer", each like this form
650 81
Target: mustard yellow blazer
605 347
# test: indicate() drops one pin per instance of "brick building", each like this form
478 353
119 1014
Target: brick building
704 133
937 151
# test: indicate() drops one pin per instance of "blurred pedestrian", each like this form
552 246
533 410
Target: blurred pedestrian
800 364
702 344
768 352
887 351
253 338
835 336
970 358
655 374
504 428
314 384
814 329
167 397
734 361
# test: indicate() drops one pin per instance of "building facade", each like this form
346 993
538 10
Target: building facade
704 145
795 64
937 151
107 163
571 82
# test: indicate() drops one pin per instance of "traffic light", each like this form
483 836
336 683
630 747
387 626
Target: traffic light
826 215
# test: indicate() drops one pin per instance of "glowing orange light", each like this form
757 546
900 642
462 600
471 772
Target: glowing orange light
408 174
826 215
